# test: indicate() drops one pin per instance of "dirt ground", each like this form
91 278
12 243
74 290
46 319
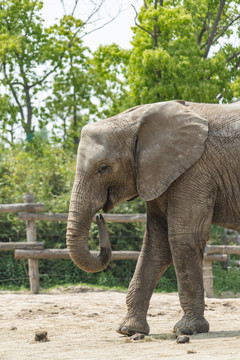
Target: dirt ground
80 324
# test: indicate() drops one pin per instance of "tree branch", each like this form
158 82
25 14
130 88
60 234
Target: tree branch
233 56
86 22
219 97
14 94
237 64
72 42
204 28
99 27
28 123
225 28
64 9
214 28
17 83
38 82
74 8
140 27
93 12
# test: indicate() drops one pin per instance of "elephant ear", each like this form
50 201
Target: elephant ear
170 139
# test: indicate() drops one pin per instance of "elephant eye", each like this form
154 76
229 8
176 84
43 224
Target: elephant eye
104 169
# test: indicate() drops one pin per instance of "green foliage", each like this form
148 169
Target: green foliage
216 235
13 272
47 63
69 104
22 42
108 67
226 280
44 170
171 57
40 168
168 282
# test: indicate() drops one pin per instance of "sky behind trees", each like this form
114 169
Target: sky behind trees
118 30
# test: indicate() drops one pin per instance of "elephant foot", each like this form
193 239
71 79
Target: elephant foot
131 326
189 326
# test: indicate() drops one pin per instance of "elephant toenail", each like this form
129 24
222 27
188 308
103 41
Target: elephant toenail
124 330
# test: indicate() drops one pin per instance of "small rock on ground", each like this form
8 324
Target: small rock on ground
138 336
182 339
41 336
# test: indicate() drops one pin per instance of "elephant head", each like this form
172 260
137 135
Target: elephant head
138 152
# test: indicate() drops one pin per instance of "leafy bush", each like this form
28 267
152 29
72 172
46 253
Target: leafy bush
226 280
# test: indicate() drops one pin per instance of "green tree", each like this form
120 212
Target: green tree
29 57
108 69
69 104
184 50
22 43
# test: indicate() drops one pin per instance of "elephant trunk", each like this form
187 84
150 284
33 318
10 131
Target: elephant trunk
78 226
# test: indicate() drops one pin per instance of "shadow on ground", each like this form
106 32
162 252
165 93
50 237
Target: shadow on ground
209 335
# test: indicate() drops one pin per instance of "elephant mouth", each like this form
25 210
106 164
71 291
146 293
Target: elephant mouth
108 205
135 197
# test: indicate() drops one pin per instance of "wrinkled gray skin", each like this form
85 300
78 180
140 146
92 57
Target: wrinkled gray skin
183 159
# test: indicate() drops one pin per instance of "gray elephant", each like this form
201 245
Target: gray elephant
183 159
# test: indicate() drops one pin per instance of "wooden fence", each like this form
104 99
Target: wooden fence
33 250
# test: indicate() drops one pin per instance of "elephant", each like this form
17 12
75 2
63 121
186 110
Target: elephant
183 159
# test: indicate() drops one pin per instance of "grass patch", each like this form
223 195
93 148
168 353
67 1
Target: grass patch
13 288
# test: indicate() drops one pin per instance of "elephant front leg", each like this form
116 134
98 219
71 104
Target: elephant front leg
137 303
153 261
188 266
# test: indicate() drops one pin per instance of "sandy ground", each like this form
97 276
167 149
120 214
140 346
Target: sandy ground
81 322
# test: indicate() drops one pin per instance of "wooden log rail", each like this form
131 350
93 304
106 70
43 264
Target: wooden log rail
16 208
116 255
49 254
63 254
11 246
117 218
223 249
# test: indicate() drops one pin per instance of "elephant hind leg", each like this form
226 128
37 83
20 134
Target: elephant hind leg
188 250
154 259
188 266
188 326
190 215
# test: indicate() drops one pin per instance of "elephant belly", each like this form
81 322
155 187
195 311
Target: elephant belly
226 174
227 211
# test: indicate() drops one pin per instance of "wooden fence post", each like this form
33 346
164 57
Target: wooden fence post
208 278
32 237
